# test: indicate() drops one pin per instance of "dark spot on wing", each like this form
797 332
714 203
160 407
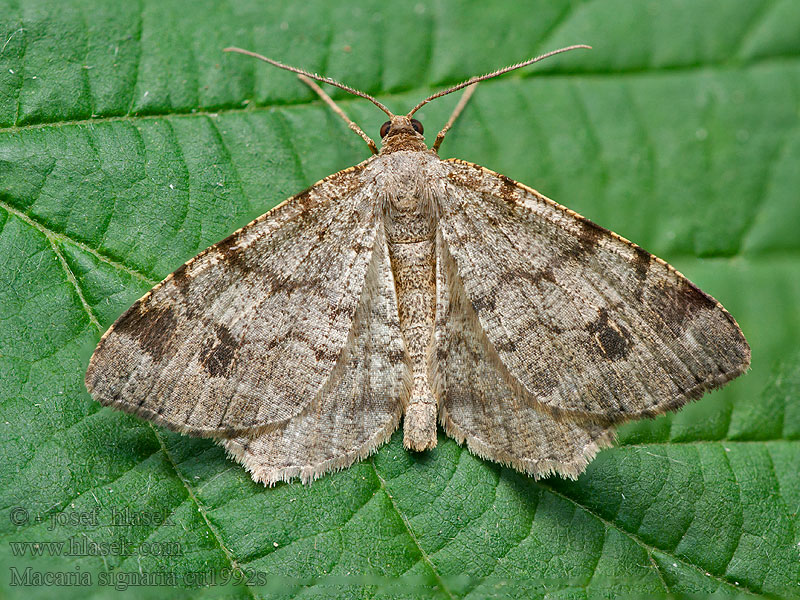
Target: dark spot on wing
641 262
641 265
181 283
678 302
612 339
219 352
506 345
542 383
236 260
234 257
588 238
304 199
396 356
292 285
484 302
512 276
297 336
508 189
152 328
180 278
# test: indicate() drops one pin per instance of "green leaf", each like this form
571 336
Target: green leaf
129 142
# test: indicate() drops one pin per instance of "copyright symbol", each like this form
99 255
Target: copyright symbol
18 516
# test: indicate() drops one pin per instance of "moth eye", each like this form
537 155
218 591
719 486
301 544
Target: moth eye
417 126
385 128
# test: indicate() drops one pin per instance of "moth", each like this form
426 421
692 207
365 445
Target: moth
436 291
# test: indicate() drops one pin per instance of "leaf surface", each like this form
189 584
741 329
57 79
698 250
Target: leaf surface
129 143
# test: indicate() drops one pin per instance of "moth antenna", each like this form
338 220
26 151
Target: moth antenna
497 73
346 88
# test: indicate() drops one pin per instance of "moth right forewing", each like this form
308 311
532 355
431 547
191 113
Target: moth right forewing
587 322
247 333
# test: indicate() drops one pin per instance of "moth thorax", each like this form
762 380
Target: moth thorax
409 219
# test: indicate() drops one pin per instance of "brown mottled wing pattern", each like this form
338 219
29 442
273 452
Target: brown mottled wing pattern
248 332
359 407
586 324
480 404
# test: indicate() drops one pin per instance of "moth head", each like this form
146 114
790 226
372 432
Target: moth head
402 133
401 124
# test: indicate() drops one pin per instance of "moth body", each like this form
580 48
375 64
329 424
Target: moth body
410 224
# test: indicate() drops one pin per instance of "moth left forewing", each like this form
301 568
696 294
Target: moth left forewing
586 322
360 406
246 333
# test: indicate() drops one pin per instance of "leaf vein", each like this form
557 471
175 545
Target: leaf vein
753 23
267 550
649 548
68 502
510 546
426 559
202 510
137 66
739 506
656 568
50 233
553 28
767 183
236 106
284 132
239 183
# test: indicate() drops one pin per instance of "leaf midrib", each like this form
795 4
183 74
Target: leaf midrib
646 72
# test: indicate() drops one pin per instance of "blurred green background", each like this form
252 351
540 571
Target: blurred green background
129 142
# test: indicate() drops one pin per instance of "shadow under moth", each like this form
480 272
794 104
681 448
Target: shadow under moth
417 288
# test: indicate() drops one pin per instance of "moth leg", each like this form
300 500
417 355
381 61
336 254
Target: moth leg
335 108
462 103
